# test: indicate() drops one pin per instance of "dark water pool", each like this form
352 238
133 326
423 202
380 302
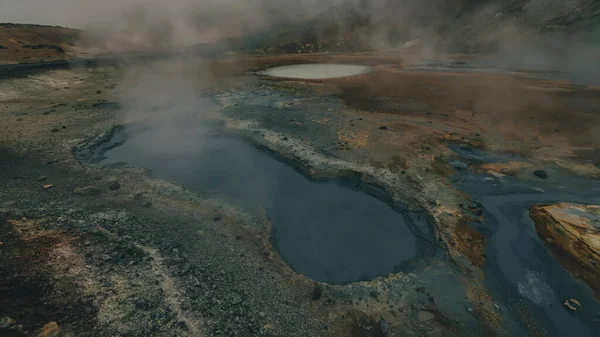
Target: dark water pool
326 230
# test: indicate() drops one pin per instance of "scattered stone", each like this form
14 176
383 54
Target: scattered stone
105 257
384 326
54 130
262 314
89 190
51 330
540 174
48 186
383 128
236 300
469 309
217 217
114 185
373 293
457 164
142 304
7 323
572 304
98 91
317 292
107 105
42 178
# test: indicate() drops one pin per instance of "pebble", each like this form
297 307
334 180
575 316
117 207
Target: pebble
42 178
458 164
51 330
105 257
236 300
6 323
540 174
384 326
88 190
317 292
114 185
262 314
383 128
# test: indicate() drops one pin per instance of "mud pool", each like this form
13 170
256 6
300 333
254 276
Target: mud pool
316 71
326 230
519 269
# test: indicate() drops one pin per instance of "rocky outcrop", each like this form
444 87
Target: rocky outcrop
573 233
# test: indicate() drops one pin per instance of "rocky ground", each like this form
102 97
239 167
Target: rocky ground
116 252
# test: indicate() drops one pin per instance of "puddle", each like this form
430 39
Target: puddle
316 71
519 270
326 230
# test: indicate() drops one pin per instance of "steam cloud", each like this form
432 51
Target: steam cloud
538 34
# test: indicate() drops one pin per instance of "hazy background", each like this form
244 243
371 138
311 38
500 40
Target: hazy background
532 34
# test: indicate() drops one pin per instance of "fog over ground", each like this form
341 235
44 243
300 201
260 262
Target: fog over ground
528 34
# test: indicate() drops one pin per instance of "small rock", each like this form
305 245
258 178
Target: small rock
114 185
458 164
262 314
48 186
540 174
42 178
572 304
51 330
6 323
383 128
317 292
236 300
384 326
142 304
54 130
105 257
89 190
469 309
373 293
98 91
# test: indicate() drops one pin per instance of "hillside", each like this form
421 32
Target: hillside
449 25
21 43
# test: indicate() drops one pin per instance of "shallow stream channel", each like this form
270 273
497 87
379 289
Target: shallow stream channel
330 231
520 272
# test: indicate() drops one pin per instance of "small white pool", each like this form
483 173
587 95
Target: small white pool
316 71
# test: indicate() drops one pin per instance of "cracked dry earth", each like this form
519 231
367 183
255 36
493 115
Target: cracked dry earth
116 251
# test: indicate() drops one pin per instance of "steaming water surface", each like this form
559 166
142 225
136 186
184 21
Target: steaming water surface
316 71
325 230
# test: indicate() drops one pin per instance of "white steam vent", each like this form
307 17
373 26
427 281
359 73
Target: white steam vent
316 71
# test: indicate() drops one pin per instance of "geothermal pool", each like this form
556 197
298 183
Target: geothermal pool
316 71
327 230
